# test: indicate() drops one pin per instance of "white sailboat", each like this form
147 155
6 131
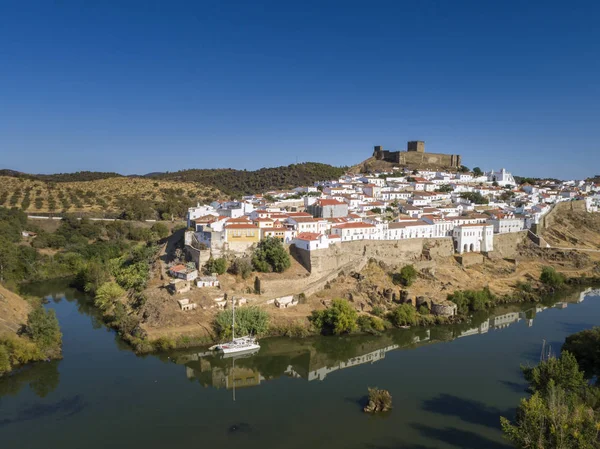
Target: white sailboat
247 344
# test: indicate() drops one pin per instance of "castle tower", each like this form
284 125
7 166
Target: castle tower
416 145
378 152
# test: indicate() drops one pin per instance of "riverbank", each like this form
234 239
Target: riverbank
28 332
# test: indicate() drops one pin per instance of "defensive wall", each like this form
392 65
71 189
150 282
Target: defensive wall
392 252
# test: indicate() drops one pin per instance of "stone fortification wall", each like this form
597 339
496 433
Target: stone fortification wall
391 252
550 218
507 245
416 159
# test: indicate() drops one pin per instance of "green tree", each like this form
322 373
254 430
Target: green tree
339 318
464 169
250 320
404 315
585 347
477 171
551 277
270 255
554 419
563 372
406 276
43 328
218 265
107 294
160 229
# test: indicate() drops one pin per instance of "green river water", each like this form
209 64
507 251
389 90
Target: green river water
449 385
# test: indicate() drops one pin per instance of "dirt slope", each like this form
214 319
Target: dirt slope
13 311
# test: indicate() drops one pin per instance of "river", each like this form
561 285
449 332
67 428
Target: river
450 385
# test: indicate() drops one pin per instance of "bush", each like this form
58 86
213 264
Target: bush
160 229
241 267
339 318
4 360
404 315
270 255
42 327
472 300
378 311
585 347
107 294
406 276
249 320
164 344
551 277
218 266
370 324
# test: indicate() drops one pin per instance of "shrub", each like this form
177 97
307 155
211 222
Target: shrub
563 372
218 266
4 360
406 276
339 318
378 311
370 324
472 300
164 344
107 294
160 229
551 277
42 327
250 320
241 267
404 315
585 346
270 255
423 310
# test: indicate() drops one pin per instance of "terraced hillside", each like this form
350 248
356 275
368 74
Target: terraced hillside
130 197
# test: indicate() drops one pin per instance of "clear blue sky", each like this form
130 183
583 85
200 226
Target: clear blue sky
136 87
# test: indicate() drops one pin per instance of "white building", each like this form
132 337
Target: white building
310 241
507 222
355 231
502 177
474 237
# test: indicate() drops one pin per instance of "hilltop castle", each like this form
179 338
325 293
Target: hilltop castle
415 156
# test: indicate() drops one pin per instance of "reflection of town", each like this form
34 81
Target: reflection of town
315 359
505 320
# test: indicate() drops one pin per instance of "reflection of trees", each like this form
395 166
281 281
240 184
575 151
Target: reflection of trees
341 349
42 378
268 367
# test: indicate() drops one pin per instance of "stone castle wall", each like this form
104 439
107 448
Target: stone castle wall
507 245
392 252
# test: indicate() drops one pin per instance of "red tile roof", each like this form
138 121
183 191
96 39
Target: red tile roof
308 236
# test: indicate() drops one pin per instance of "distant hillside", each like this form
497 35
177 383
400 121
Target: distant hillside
127 197
62 177
237 182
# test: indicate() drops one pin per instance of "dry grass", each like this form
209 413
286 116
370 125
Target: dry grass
93 196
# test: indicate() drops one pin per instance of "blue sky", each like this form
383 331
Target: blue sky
136 87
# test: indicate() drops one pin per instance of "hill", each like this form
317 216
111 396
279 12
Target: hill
62 177
243 182
132 198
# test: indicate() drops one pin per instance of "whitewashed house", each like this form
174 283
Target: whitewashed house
475 237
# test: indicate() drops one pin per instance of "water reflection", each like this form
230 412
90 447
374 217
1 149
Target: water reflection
42 379
315 359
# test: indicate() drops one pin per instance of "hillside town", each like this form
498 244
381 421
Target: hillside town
468 206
